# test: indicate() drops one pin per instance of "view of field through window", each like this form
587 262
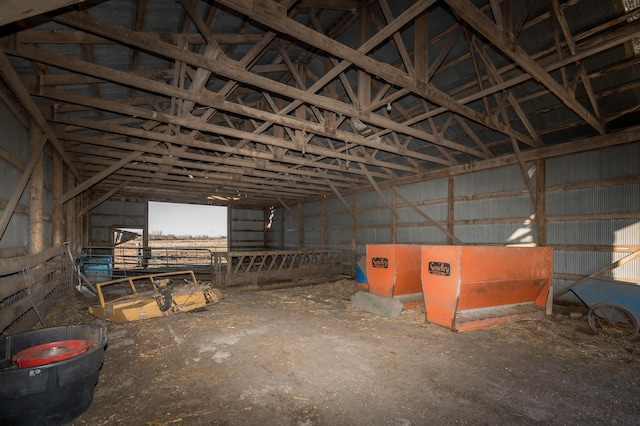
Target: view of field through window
179 234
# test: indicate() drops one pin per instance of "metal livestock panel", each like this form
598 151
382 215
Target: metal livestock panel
494 208
504 233
606 199
609 163
487 181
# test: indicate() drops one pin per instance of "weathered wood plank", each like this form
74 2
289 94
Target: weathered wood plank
16 10
16 264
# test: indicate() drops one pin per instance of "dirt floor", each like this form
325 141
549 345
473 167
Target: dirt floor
303 356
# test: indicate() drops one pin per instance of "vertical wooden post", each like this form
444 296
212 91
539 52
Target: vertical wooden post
421 52
36 194
450 209
283 211
57 190
301 113
541 201
354 224
70 221
323 210
330 91
146 252
300 236
85 222
229 228
364 79
265 227
394 217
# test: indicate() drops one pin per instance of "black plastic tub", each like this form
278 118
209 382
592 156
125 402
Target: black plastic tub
54 393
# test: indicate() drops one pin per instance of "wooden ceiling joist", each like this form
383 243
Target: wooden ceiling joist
260 102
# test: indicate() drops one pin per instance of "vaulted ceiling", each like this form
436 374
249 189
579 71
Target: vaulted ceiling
258 102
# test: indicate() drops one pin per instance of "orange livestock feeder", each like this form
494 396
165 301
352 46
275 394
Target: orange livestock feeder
472 287
393 270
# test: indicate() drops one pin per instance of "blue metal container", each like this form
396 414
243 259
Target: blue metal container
596 290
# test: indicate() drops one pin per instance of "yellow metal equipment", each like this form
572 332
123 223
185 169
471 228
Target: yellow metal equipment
163 299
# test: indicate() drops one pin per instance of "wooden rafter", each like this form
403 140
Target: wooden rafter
490 30
314 98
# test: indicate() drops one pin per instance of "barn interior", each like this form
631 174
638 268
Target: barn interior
324 128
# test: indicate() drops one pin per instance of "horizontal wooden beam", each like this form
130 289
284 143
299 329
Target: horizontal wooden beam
484 26
16 10
35 36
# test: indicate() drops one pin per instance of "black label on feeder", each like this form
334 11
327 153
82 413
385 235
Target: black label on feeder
380 262
439 268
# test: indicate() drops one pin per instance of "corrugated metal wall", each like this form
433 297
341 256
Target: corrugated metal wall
592 211
592 205
338 223
15 143
247 229
115 213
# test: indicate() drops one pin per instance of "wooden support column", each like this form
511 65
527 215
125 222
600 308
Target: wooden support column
301 142
323 226
36 193
281 228
84 222
70 217
146 255
421 52
364 79
541 201
330 91
300 228
450 209
57 221
229 228
394 217
265 227
354 224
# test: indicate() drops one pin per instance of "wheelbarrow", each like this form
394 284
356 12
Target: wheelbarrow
614 306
